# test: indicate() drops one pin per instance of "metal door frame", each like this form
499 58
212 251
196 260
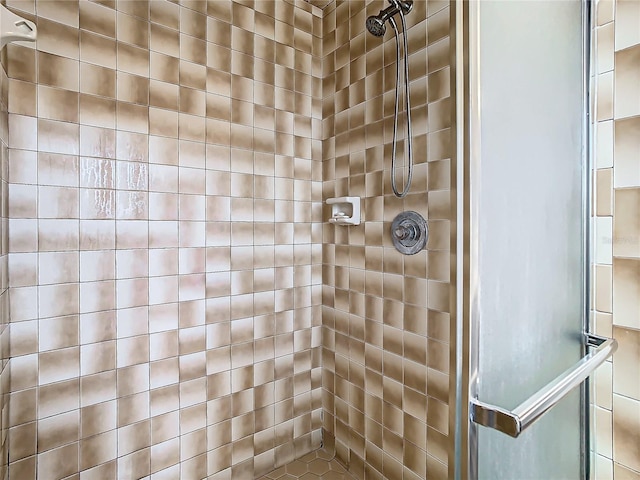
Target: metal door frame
465 31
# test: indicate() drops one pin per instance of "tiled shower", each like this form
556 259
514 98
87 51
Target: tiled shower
179 308
174 303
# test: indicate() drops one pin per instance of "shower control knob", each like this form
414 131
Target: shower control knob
406 232
409 232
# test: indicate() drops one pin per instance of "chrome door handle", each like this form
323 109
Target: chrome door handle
514 422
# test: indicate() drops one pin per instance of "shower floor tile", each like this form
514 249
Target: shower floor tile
313 466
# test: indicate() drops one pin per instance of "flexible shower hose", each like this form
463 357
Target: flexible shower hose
407 185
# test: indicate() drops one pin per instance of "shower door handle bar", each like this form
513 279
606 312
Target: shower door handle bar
513 423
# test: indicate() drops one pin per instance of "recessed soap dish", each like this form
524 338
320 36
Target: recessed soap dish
345 210
15 29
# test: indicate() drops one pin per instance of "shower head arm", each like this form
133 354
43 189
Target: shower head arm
402 5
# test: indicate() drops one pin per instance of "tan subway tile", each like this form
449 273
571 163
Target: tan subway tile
604 38
98 450
58 137
626 416
165 399
132 30
98 19
98 418
164 40
66 12
55 333
105 470
97 50
133 437
164 67
23 406
165 427
58 39
604 192
627 15
139 8
98 388
58 430
23 469
165 454
24 440
604 286
627 172
627 75
60 462
58 202
136 464
23 99
165 13
626 227
21 63
626 375
626 285
58 170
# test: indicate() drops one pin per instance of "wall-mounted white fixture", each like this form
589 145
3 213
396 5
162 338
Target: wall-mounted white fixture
345 210
15 29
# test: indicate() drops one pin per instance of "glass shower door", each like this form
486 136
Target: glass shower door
528 225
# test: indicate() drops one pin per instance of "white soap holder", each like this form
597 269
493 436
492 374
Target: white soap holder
345 210
15 29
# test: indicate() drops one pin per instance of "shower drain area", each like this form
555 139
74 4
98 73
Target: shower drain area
316 465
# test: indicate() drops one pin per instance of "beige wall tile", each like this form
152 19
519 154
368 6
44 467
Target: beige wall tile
626 370
605 96
627 20
604 192
59 462
605 47
604 11
604 144
626 239
626 417
627 77
627 146
623 473
604 286
626 292
603 428
603 240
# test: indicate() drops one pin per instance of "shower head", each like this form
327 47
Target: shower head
376 24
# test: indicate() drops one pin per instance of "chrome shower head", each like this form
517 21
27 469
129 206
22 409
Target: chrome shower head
376 24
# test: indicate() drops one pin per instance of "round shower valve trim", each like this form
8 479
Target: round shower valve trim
409 232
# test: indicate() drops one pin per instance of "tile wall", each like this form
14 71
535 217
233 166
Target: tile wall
165 257
385 334
617 230
5 368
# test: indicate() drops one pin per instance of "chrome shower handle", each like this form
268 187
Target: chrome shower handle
408 232
514 422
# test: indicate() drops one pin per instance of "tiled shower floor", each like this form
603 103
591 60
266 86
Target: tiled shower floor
313 466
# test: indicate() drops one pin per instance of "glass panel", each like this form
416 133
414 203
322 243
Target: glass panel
527 201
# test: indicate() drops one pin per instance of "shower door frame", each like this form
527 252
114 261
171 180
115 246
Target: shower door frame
465 62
